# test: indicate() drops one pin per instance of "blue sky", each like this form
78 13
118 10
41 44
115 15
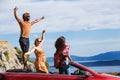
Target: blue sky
91 27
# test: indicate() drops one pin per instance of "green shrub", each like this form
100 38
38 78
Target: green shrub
18 51
6 55
20 55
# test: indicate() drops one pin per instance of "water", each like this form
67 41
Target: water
94 68
106 68
97 69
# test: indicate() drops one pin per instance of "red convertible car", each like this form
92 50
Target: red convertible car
78 72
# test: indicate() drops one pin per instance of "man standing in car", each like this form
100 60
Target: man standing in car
25 26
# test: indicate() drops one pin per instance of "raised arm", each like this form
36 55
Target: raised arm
38 20
42 37
15 14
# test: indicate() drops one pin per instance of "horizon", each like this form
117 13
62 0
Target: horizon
90 27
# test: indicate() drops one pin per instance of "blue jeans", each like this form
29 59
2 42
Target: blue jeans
64 69
24 44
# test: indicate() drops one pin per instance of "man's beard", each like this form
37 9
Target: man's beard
26 19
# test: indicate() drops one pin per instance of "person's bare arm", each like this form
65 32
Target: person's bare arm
42 38
38 20
31 51
28 53
15 14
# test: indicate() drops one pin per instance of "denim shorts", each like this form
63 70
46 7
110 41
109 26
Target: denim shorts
24 44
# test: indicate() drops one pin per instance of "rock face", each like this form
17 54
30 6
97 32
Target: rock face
9 58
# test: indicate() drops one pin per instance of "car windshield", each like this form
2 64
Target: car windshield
78 70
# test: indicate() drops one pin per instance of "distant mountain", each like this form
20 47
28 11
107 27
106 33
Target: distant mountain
102 63
104 59
113 55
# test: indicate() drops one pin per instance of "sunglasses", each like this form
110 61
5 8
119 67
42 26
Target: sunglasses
28 16
39 41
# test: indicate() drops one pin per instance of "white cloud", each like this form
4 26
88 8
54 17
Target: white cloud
93 47
85 47
65 15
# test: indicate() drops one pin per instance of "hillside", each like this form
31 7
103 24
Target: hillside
9 58
113 55
102 63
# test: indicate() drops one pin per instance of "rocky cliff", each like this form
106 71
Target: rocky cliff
9 58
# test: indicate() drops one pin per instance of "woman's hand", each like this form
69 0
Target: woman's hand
15 9
43 31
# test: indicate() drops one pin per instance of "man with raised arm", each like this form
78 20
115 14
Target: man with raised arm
25 26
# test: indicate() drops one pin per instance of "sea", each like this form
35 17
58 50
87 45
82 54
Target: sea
110 68
94 68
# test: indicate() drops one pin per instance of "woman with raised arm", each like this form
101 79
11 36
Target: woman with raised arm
40 62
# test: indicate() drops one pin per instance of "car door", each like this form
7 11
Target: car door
40 76
65 77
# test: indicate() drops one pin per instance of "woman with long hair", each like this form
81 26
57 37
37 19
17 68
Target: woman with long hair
61 56
40 62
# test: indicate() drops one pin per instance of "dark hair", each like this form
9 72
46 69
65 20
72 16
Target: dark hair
60 42
25 15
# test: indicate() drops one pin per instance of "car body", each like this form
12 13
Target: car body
79 72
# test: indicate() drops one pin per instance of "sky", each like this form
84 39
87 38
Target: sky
91 27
